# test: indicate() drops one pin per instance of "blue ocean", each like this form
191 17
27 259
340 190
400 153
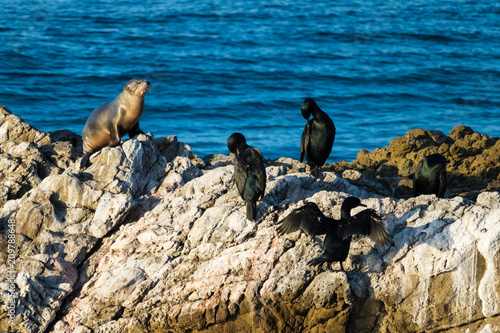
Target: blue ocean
378 68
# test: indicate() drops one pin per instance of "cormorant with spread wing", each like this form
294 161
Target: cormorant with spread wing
339 233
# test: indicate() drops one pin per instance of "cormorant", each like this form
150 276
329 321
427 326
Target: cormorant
249 172
339 233
430 176
318 136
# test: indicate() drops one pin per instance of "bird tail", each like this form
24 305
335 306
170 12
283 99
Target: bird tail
251 210
316 261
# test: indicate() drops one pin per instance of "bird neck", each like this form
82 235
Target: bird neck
345 214
319 114
242 146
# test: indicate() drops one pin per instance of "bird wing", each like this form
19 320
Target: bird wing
304 141
368 223
259 172
240 176
244 159
250 173
308 218
331 134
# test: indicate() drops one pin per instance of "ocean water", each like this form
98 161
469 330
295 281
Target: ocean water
378 68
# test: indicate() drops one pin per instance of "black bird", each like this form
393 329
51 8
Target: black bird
339 233
249 172
430 176
318 136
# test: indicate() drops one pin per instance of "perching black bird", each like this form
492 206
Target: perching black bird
430 176
318 136
249 172
339 233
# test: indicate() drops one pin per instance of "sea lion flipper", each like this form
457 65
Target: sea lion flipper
135 131
84 161
114 135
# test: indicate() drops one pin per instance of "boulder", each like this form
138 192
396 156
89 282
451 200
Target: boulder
473 161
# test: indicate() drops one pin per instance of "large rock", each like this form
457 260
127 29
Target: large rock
65 216
210 269
145 241
27 155
204 266
473 162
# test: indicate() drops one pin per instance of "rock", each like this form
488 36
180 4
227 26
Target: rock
232 274
27 155
145 241
473 161
64 215
14 129
460 132
351 174
22 167
287 165
217 160
170 148
489 199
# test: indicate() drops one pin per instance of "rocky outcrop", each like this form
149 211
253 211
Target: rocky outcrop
146 241
27 155
193 262
66 214
473 162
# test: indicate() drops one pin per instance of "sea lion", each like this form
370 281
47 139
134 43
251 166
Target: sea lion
109 122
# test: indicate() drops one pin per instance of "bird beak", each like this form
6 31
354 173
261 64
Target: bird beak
361 205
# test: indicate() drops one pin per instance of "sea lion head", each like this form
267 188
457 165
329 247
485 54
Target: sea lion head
137 87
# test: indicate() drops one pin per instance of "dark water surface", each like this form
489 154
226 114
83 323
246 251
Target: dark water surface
378 68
